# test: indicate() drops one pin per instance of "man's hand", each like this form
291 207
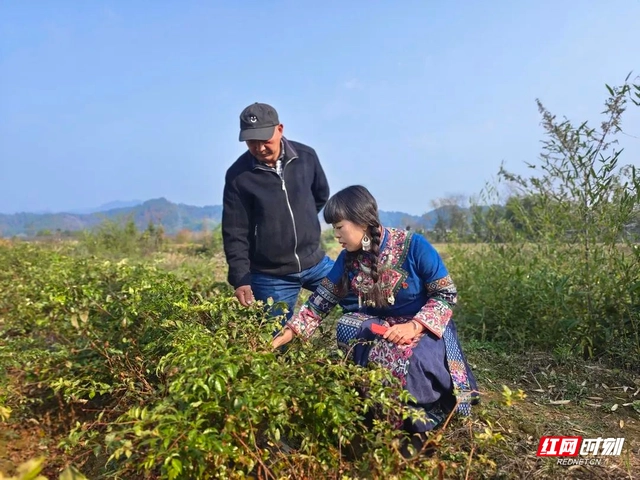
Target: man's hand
245 295
403 333
284 337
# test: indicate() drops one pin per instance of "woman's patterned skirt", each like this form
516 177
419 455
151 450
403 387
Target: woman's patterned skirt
434 370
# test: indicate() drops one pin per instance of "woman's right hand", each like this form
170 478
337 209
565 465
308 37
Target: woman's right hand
284 337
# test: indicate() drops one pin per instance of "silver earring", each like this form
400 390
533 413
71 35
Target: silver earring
366 243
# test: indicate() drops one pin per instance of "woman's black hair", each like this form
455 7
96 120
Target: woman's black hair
357 205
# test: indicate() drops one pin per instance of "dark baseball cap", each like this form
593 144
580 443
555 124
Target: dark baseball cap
258 122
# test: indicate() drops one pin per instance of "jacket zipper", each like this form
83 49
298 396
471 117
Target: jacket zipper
293 220
295 233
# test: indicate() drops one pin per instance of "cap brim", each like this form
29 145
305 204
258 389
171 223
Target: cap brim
262 134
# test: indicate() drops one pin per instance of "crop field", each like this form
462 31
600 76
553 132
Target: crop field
148 368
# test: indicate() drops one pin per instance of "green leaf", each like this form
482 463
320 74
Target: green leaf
218 385
177 465
31 469
70 473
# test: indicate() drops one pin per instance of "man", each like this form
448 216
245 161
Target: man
270 228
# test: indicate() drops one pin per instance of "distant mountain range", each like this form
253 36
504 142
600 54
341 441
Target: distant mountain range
172 216
108 206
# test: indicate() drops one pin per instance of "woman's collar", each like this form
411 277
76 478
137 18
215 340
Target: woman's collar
385 236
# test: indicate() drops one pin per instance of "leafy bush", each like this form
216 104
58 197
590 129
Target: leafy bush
122 239
560 267
158 377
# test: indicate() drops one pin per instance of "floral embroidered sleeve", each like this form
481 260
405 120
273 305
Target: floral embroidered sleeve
320 303
441 291
436 313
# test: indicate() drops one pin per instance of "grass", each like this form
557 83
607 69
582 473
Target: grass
564 397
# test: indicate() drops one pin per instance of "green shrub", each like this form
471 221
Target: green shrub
160 377
115 238
561 266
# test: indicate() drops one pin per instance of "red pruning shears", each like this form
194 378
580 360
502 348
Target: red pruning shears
378 329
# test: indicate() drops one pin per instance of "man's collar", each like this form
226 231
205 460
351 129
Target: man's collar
287 152
282 150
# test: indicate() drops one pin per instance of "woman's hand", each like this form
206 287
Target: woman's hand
403 333
284 337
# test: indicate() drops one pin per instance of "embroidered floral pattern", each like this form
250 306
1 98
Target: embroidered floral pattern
436 313
325 297
392 356
396 248
392 257
434 316
443 288
305 322
315 309
390 274
330 287
458 370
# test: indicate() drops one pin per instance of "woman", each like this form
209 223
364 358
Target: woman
401 283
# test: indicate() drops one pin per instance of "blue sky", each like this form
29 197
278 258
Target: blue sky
417 100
